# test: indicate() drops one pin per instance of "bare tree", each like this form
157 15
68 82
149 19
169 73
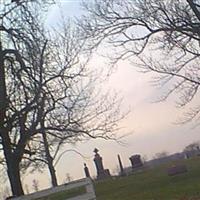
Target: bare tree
44 102
163 34
22 46
73 111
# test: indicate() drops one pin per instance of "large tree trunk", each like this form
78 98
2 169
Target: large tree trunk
13 169
11 161
14 177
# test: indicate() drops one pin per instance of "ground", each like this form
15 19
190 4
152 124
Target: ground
152 184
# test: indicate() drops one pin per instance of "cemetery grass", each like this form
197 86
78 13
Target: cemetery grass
154 184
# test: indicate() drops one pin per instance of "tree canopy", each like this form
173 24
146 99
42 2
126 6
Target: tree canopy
47 92
160 36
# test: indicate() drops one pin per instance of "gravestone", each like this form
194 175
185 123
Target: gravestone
122 173
86 170
176 169
101 172
136 161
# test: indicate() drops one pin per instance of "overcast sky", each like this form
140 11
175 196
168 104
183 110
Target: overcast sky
151 124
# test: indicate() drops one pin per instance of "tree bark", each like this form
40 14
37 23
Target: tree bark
49 159
13 171
11 161
194 8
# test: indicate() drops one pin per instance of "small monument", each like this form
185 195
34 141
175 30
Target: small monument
86 170
101 172
136 161
177 169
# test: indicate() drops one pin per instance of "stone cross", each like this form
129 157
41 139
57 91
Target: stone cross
101 172
98 161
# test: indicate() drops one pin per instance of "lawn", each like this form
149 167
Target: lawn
149 184
154 184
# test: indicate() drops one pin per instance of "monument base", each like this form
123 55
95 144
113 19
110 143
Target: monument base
103 174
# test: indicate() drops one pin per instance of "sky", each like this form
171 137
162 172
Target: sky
151 124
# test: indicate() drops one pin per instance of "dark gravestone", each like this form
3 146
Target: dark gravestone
86 170
136 161
101 172
122 173
176 169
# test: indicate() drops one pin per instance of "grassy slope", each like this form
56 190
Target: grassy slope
154 184
151 184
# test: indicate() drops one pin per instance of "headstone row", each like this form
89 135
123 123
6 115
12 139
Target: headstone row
102 173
